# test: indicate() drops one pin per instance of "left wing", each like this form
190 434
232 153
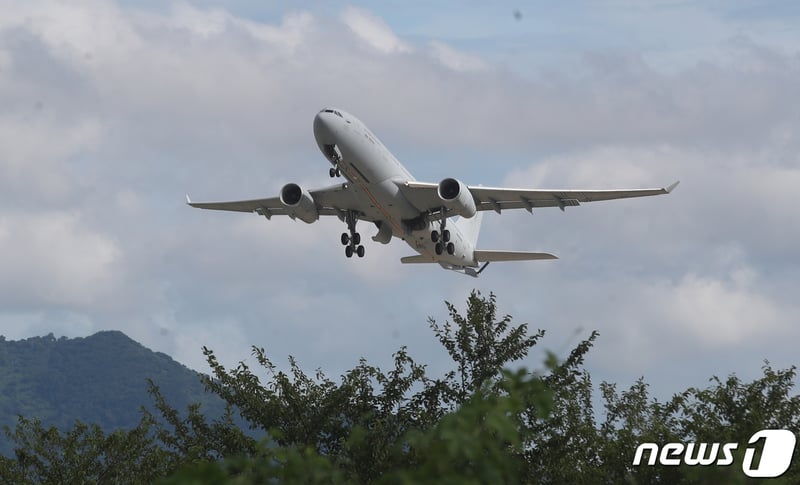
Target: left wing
329 201
425 197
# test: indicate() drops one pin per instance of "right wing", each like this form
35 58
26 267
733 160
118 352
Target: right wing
330 201
424 196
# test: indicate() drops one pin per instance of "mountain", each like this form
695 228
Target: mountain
100 379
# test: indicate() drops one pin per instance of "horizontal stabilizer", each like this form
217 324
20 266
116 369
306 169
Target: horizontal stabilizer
416 259
482 256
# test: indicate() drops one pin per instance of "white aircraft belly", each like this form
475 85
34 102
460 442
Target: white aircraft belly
364 165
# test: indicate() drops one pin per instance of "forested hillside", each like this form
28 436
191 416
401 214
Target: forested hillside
100 379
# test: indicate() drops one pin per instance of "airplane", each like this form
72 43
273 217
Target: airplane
380 190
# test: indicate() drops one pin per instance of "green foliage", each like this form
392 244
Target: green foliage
84 454
266 465
478 423
480 442
480 345
359 420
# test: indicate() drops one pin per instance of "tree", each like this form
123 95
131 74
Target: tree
84 454
480 344
480 422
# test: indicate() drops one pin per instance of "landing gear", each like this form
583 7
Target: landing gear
333 155
441 247
352 240
445 245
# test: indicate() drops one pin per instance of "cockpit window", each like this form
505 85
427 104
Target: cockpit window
332 111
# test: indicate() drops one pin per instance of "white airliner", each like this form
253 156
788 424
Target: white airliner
380 190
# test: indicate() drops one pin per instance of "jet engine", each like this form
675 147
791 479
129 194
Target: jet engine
299 203
456 197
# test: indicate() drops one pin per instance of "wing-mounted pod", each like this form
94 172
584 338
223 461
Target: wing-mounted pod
384 233
299 203
457 197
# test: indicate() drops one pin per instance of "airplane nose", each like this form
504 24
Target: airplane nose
324 127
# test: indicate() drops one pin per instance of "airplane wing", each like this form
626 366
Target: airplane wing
424 196
330 201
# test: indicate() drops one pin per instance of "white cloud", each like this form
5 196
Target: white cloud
722 312
374 31
91 29
28 164
215 22
53 258
455 59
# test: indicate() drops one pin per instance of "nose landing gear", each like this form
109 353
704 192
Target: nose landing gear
335 157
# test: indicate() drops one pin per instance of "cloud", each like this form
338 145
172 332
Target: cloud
216 22
113 113
454 59
374 31
53 258
724 312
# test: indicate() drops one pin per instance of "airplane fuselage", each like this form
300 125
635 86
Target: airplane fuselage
371 168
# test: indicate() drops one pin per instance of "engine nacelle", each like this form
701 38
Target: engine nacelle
457 197
299 203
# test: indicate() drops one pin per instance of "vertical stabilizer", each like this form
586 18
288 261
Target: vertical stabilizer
471 228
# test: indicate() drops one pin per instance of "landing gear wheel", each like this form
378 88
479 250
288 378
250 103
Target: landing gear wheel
332 172
338 172
451 248
445 234
351 239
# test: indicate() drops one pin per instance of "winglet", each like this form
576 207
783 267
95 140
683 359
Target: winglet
670 188
188 200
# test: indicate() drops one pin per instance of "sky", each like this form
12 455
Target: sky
112 111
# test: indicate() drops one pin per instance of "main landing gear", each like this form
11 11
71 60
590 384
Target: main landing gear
334 171
352 241
445 244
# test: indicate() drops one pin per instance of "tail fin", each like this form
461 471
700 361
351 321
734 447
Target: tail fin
471 228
